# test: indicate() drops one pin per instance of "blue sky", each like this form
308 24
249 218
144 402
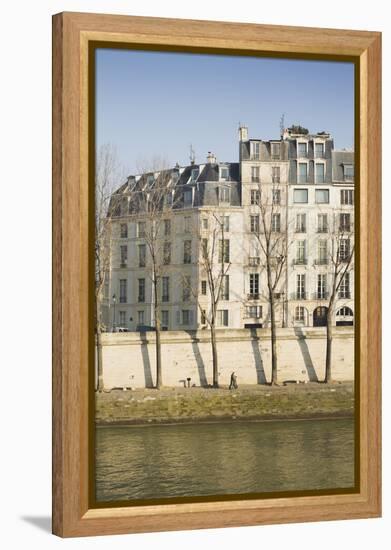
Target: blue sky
152 104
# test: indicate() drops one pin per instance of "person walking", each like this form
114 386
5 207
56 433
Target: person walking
233 382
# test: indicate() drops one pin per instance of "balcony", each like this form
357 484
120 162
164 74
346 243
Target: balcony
301 229
124 264
254 261
276 179
300 261
345 295
321 261
320 296
299 296
252 296
322 229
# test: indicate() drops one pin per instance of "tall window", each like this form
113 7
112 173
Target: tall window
319 172
187 252
254 284
322 251
204 223
225 223
300 252
254 224
165 319
254 312
142 252
300 286
165 289
302 150
255 196
275 150
300 196
188 197
275 174
321 286
344 250
122 319
167 253
167 227
322 223
222 317
203 317
276 223
344 289
319 150
194 174
123 295
254 150
141 290
225 288
224 173
187 224
224 195
141 226
346 196
255 174
344 222
300 314
187 317
186 288
140 318
124 230
204 248
276 196
322 196
203 288
224 250
301 223
303 169
348 172
124 255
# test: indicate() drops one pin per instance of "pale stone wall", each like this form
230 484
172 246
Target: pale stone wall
129 358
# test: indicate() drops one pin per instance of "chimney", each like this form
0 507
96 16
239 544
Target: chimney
211 158
243 133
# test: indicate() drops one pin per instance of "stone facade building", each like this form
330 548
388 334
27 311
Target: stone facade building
299 190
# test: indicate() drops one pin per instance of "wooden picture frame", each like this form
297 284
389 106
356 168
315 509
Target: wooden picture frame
72 35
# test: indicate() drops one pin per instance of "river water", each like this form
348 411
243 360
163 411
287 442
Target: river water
144 462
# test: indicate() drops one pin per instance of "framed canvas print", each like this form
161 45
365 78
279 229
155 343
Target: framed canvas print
216 229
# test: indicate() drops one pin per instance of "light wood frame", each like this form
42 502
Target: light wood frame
72 33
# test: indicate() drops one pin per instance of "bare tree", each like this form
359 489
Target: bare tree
107 175
270 231
341 255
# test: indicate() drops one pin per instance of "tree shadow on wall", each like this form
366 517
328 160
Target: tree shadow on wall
312 376
146 361
198 357
255 341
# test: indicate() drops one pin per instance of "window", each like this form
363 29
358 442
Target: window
302 150
167 227
222 317
165 319
345 312
344 250
322 196
254 224
322 223
303 169
188 197
275 174
275 149
203 288
123 291
225 288
187 317
224 173
124 255
224 194
141 229
174 176
344 289
141 290
301 223
346 196
204 248
204 223
167 253
255 174
224 250
150 179
300 287
142 251
319 150
300 196
254 284
169 199
276 196
322 251
140 318
124 230
344 222
165 289
321 293
300 252
255 196
186 289
187 224
319 173
348 172
194 174
300 314
122 318
187 252
255 312
254 150
203 317
225 223
276 223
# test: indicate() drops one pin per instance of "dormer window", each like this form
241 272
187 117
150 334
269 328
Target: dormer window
255 150
194 174
174 176
275 149
188 197
150 180
224 195
224 173
348 172
319 150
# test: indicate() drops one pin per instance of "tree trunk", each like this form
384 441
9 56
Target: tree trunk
273 341
159 381
214 356
329 341
99 357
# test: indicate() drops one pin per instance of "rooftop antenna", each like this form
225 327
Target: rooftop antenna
192 154
282 124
